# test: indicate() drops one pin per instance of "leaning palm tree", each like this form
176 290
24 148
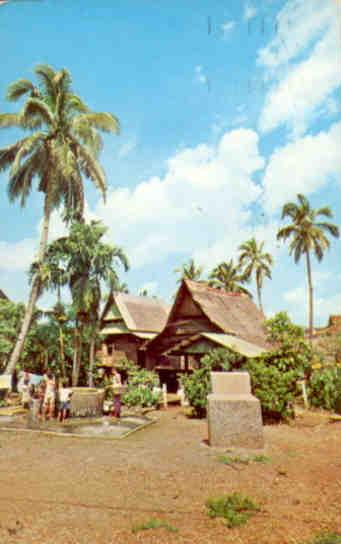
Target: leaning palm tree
307 235
61 148
255 261
189 271
228 277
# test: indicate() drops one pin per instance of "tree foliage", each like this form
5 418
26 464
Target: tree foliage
255 262
229 277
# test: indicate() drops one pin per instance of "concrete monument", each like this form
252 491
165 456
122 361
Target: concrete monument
234 415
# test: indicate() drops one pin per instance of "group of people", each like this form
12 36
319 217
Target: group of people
47 400
44 398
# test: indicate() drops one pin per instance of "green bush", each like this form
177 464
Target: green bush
236 509
198 385
142 387
324 388
274 374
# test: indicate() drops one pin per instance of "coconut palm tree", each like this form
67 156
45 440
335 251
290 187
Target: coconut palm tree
228 277
255 261
61 148
87 263
307 235
189 271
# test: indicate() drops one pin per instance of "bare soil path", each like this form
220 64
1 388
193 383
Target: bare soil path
63 490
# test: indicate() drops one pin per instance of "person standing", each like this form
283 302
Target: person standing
50 395
65 394
26 393
116 386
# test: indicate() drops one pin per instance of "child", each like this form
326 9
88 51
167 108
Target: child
25 393
65 394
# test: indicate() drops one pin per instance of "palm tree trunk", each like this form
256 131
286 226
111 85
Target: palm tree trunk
310 296
92 359
259 295
62 353
25 326
76 356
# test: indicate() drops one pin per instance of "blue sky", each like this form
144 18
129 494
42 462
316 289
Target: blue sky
228 109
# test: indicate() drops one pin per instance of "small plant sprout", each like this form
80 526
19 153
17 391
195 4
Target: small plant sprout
236 509
154 524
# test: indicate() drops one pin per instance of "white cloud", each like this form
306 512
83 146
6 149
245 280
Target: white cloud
204 194
297 90
302 166
127 147
227 28
296 296
17 255
200 75
298 24
249 12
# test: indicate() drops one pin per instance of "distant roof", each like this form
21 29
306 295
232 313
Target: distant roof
233 313
2 295
142 314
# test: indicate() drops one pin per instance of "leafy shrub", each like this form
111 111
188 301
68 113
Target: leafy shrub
274 374
236 509
154 524
198 385
324 387
142 387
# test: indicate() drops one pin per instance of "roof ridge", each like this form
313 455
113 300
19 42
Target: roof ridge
215 289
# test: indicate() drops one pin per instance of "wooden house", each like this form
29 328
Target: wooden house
203 318
130 324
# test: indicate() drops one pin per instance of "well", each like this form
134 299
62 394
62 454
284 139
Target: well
86 401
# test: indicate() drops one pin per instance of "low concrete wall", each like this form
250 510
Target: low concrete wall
86 401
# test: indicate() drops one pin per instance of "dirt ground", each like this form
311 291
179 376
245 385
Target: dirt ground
64 490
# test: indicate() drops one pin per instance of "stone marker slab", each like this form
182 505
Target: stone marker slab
234 415
231 383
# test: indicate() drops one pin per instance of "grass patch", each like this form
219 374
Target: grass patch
326 538
236 509
154 524
230 460
261 459
235 460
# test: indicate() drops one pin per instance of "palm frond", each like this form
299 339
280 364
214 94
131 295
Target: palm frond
103 121
37 112
92 169
19 88
10 120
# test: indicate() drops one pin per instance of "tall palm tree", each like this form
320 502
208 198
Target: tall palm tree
228 277
255 261
87 263
60 150
307 235
189 271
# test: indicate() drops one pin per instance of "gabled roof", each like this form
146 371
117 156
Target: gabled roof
233 313
213 311
140 314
